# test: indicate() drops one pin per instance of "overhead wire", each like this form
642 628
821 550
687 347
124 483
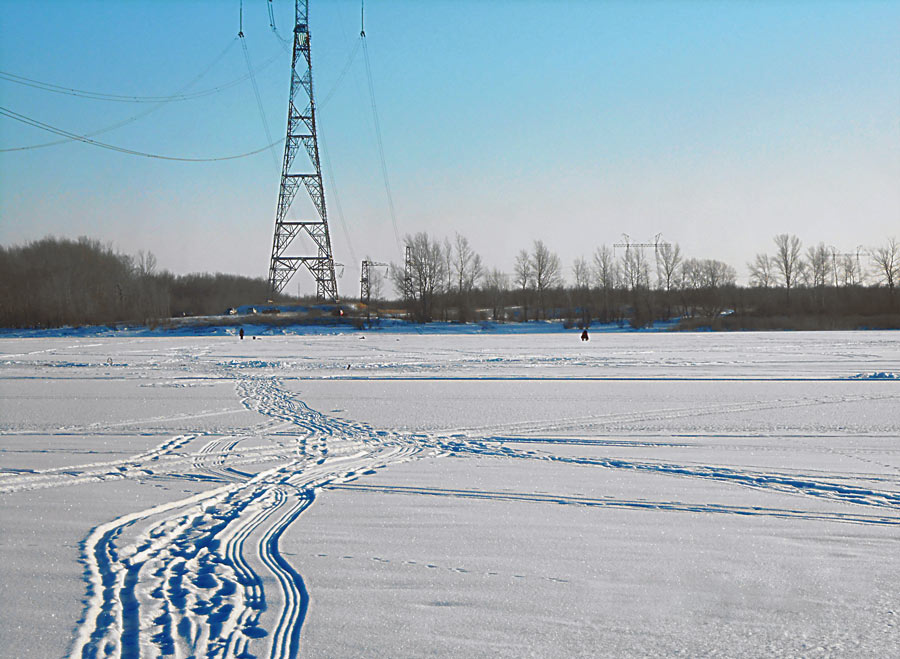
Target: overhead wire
336 198
384 171
285 43
139 115
159 100
330 171
259 103
82 138
122 98
350 59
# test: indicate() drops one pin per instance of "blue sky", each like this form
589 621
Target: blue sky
716 124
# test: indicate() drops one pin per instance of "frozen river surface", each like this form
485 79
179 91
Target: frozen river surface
404 495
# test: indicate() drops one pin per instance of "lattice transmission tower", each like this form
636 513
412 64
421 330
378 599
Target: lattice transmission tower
301 130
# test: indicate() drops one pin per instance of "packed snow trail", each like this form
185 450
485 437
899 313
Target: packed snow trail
185 578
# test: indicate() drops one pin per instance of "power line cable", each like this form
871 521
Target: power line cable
81 138
139 115
335 197
384 171
259 103
122 98
350 59
285 44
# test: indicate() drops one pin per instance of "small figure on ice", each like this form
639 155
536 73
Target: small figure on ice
242 334
584 336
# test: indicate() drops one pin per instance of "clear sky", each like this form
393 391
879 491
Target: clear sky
716 124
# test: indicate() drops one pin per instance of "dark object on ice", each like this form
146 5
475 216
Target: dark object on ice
242 334
584 336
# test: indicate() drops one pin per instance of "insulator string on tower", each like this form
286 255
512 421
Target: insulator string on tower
81 138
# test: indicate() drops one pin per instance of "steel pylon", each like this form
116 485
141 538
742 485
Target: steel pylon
301 130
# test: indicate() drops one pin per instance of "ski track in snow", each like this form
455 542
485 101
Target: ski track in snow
790 483
610 502
186 578
188 581
615 419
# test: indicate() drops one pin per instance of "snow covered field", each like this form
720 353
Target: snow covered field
407 495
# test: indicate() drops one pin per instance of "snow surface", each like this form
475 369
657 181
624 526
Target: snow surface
359 494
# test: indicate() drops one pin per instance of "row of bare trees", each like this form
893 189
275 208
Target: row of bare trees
448 280
56 282
438 276
820 266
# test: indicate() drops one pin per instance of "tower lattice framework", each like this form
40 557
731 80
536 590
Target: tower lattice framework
301 131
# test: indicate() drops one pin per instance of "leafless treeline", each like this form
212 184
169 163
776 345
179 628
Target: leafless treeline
447 280
56 282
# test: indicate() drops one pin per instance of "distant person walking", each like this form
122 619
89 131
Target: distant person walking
584 336
242 334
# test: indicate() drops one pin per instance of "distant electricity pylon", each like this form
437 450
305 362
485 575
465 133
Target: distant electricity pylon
847 259
628 245
365 283
407 276
301 129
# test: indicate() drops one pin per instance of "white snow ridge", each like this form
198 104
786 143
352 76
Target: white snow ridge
450 495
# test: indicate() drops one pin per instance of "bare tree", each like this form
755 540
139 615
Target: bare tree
818 259
848 270
706 273
635 270
496 285
605 268
427 272
668 260
691 274
788 260
446 286
581 272
702 284
468 269
716 274
146 263
762 271
546 270
606 278
376 287
523 278
887 260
